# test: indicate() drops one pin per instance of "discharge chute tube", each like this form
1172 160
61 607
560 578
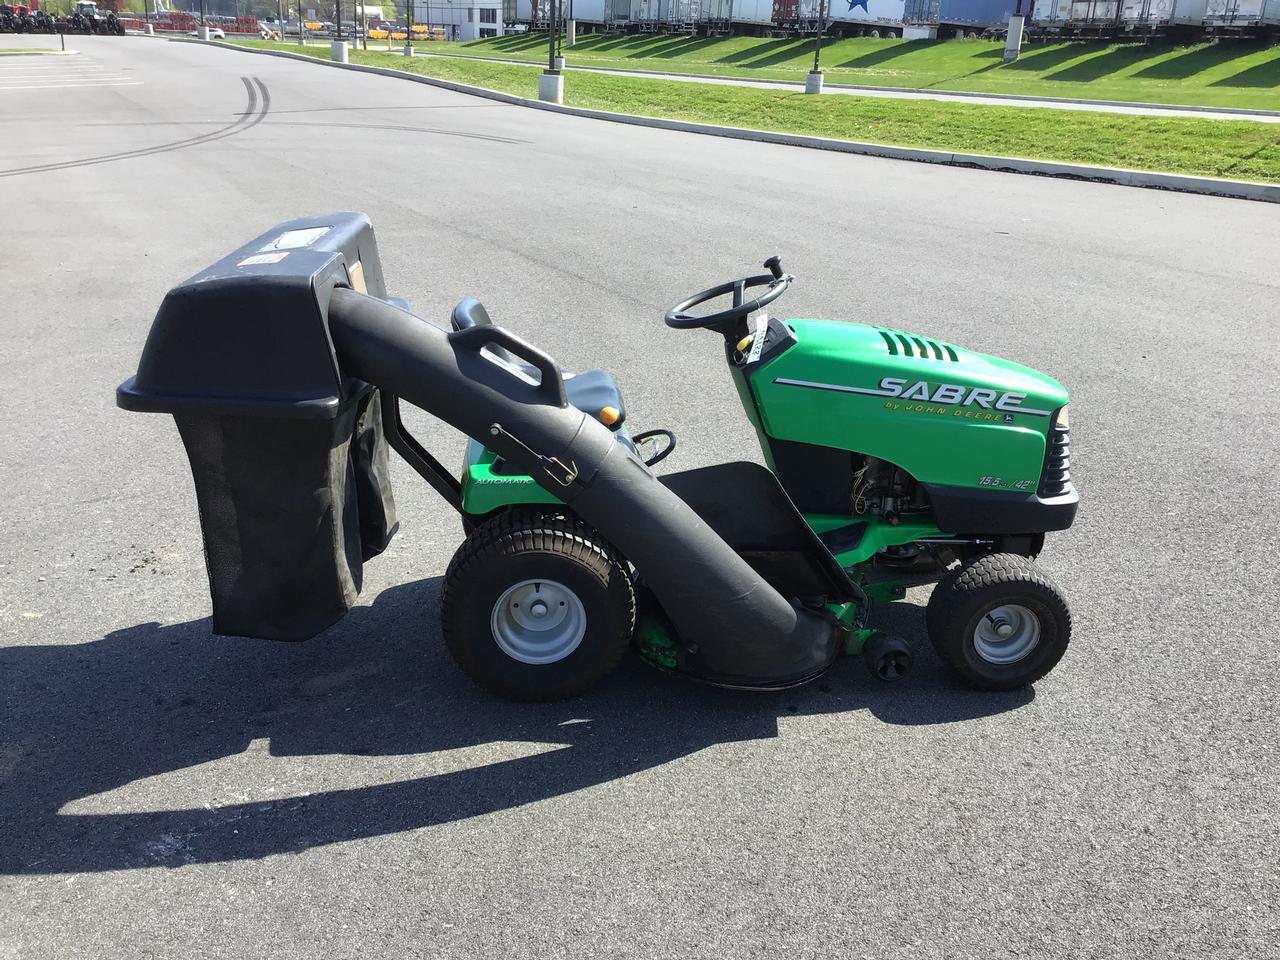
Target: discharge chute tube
740 628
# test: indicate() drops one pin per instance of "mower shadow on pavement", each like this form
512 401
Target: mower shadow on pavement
154 700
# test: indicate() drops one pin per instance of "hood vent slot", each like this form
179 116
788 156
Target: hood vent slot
909 345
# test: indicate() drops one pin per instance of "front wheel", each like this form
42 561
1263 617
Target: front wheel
999 622
537 607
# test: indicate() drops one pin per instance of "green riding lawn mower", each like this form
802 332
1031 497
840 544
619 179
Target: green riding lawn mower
892 459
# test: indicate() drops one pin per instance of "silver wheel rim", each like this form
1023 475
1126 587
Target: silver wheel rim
1006 634
538 621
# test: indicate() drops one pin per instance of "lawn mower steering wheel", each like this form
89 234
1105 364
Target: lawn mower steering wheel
726 321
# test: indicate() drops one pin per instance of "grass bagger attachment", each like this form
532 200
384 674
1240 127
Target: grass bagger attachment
892 459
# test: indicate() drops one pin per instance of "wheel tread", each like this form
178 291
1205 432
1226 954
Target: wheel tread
518 532
955 593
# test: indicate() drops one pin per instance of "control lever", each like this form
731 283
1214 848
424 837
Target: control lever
774 266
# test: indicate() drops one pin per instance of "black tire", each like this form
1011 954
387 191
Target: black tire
964 597
521 546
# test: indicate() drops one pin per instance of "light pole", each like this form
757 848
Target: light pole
551 83
551 34
338 49
813 82
557 17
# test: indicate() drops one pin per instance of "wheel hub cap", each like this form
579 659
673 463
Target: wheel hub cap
538 621
1006 634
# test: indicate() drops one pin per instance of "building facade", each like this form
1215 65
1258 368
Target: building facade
461 19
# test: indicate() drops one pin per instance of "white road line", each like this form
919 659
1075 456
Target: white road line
56 76
71 80
75 86
58 73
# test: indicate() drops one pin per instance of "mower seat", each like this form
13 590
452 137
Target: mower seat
590 391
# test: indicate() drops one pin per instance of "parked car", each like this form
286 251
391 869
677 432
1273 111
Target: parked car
215 33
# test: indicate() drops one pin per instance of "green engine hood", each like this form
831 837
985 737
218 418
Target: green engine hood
945 414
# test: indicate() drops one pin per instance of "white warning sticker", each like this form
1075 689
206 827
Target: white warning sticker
761 335
293 239
259 258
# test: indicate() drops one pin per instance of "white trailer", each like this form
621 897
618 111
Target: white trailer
750 12
715 15
1233 13
584 11
1051 13
1095 11
843 17
593 12
666 15
1102 17
536 12
1189 13
1145 13
853 15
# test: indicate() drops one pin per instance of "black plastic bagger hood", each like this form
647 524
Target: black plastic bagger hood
275 336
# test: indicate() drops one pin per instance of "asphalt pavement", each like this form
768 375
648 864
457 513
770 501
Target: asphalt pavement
167 794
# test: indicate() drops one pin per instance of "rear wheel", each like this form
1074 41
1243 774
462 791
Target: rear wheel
537 607
999 622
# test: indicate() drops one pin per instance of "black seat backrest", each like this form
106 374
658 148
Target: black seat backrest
471 313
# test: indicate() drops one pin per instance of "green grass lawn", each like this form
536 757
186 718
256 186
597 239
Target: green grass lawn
23 51
1243 150
1226 74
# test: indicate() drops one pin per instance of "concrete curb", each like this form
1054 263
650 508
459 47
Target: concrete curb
1211 186
1014 98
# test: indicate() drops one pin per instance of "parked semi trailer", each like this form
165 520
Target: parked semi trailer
882 18
1221 14
961 18
667 16
842 18
746 17
915 18
595 13
535 13
1182 18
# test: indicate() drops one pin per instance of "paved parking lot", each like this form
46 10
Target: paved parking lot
165 794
